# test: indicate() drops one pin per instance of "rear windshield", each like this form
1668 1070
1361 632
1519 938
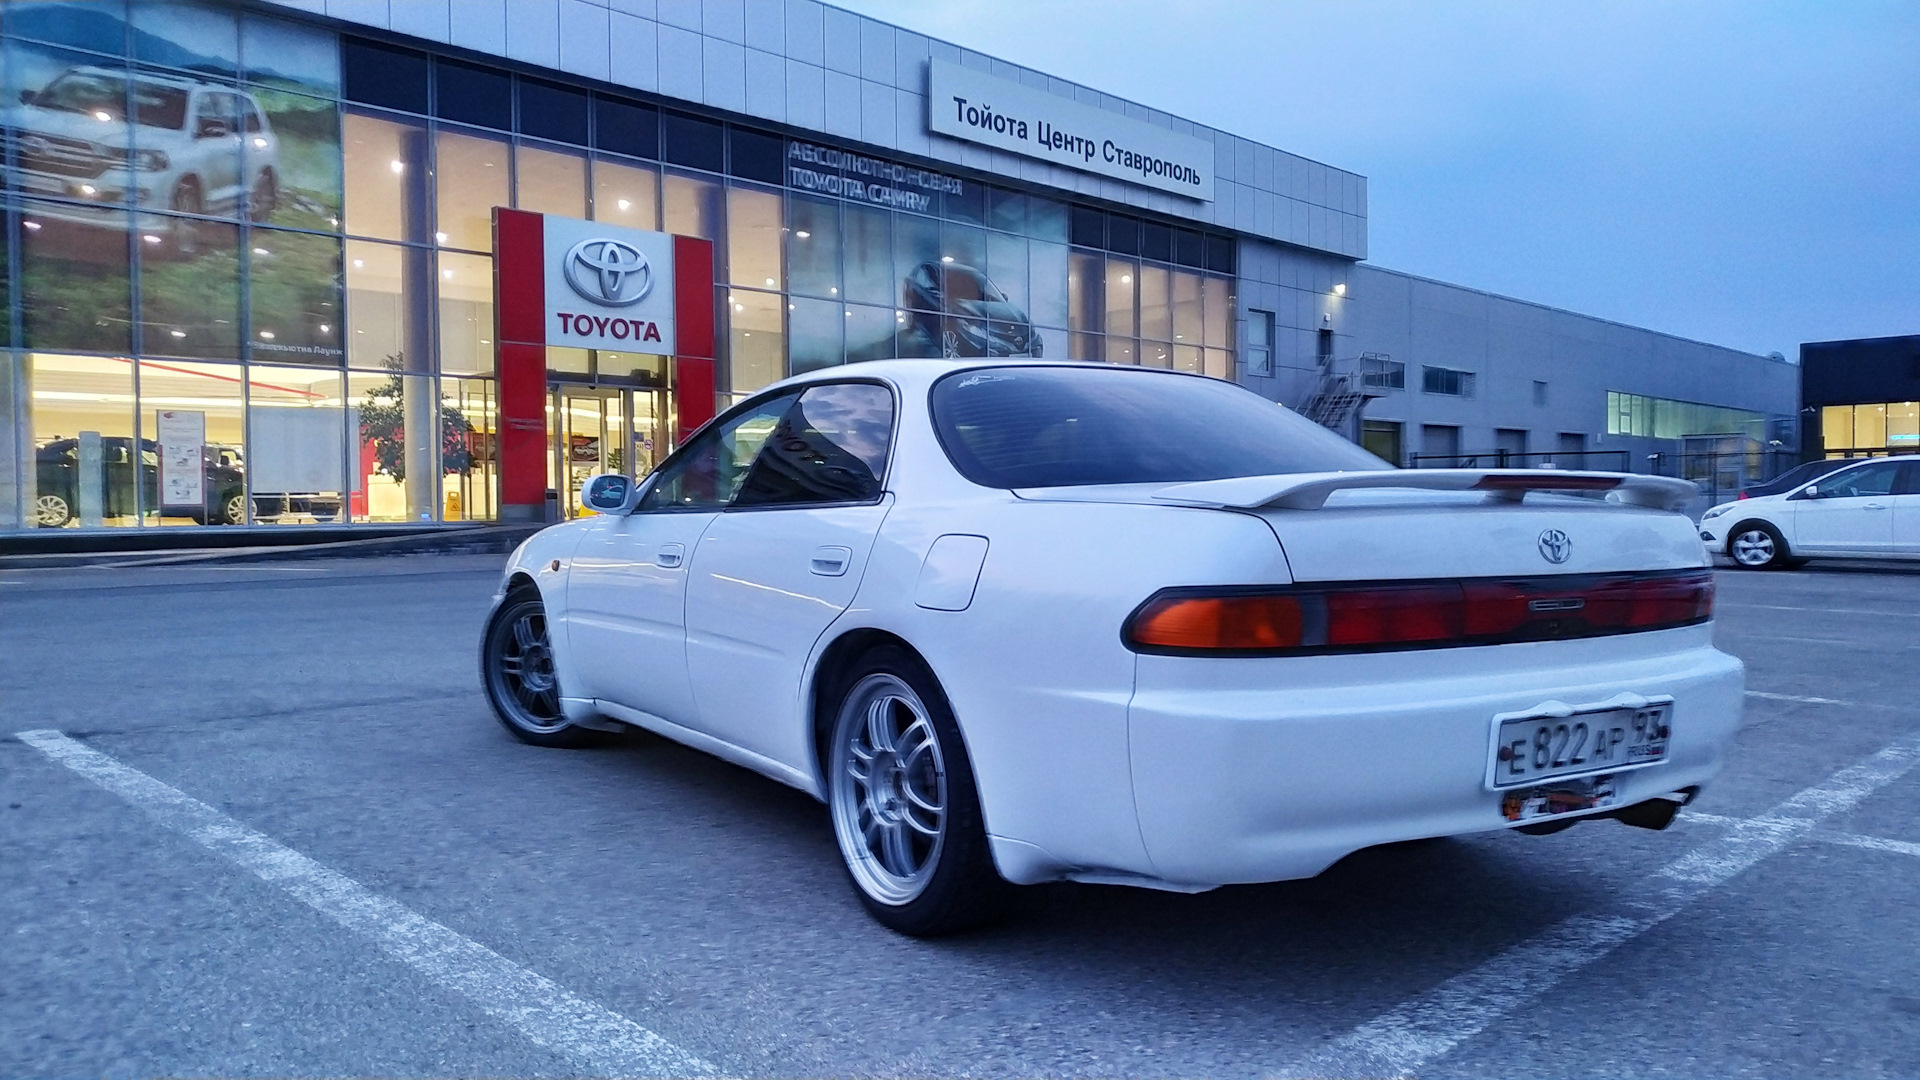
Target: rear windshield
1018 427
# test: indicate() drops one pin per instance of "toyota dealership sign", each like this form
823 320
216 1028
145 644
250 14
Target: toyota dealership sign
608 287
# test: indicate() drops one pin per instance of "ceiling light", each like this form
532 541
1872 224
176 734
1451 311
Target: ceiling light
769 281
448 274
624 204
150 238
397 166
34 225
325 329
803 234
440 236
946 258
178 333
103 116
261 251
359 263
1340 289
266 335
1126 279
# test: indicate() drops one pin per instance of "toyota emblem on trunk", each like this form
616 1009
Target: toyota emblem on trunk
1555 546
608 272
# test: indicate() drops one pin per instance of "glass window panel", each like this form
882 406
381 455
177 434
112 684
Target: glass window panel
383 75
1156 354
476 173
1156 308
190 297
918 334
629 368
756 155
1870 426
1836 423
1156 242
74 278
1189 358
713 466
695 143
1218 363
1217 312
869 256
399 462
753 237
81 412
549 181
1122 351
295 176
968 205
916 252
565 361
63 104
1086 293
554 112
692 206
830 447
1187 316
963 245
1007 210
466 313
1047 275
214 396
1050 343
385 178
1122 275
387 293
1903 425
872 332
813 247
815 329
1086 347
207 175
281 53
99 25
1046 220
758 354
626 128
626 194
173 34
294 291
1007 266
1123 234
471 460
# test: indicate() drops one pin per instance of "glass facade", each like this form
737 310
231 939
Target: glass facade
285 235
1854 430
1662 418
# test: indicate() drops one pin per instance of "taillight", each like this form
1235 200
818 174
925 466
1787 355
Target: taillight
1742 495
1316 620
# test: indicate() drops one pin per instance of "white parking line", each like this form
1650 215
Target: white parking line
1763 695
1430 1025
1834 611
598 1041
1874 843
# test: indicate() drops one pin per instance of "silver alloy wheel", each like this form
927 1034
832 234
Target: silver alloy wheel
523 674
888 789
234 510
949 343
1753 548
51 511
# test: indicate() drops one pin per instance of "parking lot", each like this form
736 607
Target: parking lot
258 820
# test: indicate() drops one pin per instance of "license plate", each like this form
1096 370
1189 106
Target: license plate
1530 749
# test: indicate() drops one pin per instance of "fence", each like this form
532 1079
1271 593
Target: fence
1720 474
1602 460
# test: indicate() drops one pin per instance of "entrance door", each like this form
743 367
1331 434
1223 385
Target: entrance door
600 429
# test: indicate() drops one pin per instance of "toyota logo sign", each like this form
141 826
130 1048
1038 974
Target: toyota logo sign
611 273
1555 546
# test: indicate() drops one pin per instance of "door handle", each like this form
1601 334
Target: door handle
671 555
831 561
1875 506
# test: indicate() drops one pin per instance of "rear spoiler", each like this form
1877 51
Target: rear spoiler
1309 491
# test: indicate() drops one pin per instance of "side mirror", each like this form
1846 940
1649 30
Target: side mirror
1811 491
27 96
609 493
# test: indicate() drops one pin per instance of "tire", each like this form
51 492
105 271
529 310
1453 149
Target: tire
516 668
52 511
1756 545
264 197
232 509
186 232
905 811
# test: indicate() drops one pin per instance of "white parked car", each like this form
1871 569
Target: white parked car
1021 622
192 147
1870 510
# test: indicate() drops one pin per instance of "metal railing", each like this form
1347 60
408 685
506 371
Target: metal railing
1599 460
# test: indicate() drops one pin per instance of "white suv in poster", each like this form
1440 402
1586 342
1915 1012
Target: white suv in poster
157 141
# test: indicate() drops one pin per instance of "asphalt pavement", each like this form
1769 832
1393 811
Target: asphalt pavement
262 822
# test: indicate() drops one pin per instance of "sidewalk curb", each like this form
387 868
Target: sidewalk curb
486 540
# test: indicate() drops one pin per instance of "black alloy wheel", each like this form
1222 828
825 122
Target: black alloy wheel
517 669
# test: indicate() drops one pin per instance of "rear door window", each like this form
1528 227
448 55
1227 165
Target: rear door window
832 446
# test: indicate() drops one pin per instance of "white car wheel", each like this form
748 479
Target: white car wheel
1756 546
51 511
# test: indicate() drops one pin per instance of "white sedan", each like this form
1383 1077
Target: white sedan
1017 622
1866 511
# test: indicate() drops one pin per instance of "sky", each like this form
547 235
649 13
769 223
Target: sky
1743 173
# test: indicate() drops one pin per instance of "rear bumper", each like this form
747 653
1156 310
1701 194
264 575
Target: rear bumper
1266 770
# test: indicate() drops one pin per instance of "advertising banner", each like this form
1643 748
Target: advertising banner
183 447
608 287
966 104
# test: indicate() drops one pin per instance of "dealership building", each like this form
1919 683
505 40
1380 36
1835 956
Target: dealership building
325 260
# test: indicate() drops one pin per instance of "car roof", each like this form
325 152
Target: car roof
921 374
144 76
